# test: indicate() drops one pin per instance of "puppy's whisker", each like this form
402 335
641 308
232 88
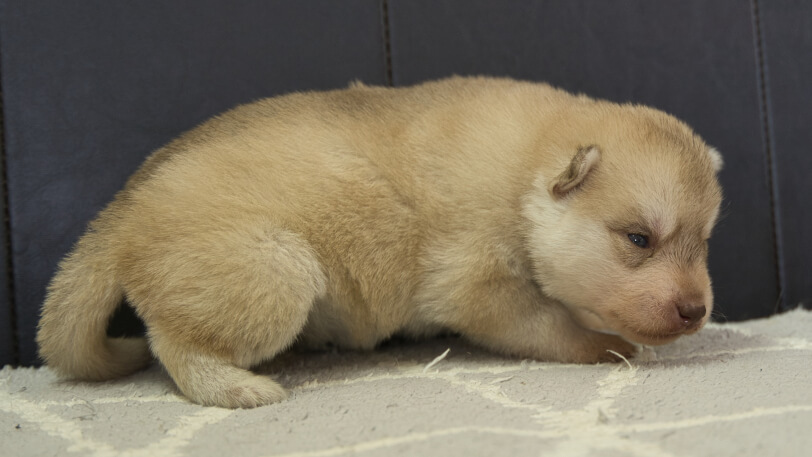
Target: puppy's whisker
719 316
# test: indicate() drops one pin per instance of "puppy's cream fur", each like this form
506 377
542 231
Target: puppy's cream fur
490 207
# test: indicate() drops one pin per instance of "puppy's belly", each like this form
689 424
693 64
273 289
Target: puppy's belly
332 325
323 332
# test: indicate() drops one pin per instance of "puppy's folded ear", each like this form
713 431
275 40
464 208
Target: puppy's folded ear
584 161
716 159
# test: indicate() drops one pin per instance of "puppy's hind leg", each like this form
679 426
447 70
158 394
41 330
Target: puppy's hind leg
243 302
214 380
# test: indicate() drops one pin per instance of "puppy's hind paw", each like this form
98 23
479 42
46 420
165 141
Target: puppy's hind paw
253 392
250 391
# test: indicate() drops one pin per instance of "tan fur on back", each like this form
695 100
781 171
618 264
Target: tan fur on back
345 217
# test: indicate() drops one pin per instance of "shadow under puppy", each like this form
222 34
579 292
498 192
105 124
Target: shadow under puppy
531 221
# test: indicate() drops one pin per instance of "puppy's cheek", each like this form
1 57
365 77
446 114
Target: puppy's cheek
587 305
588 294
592 320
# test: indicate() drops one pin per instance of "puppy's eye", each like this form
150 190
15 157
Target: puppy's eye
638 240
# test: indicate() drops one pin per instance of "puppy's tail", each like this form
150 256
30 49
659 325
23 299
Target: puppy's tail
72 334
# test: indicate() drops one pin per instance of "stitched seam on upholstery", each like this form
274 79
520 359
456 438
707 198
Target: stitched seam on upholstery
767 135
7 244
387 43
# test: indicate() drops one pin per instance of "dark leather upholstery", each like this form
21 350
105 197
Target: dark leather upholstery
786 27
90 88
7 315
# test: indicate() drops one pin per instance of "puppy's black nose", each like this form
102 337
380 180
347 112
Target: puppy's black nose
691 313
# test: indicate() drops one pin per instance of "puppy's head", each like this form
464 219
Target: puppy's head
619 227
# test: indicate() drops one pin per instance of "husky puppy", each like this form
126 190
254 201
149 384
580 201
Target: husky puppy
531 221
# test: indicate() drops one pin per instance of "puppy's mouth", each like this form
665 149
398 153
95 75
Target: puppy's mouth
656 338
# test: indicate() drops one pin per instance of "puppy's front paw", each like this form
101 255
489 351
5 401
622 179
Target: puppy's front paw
599 347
